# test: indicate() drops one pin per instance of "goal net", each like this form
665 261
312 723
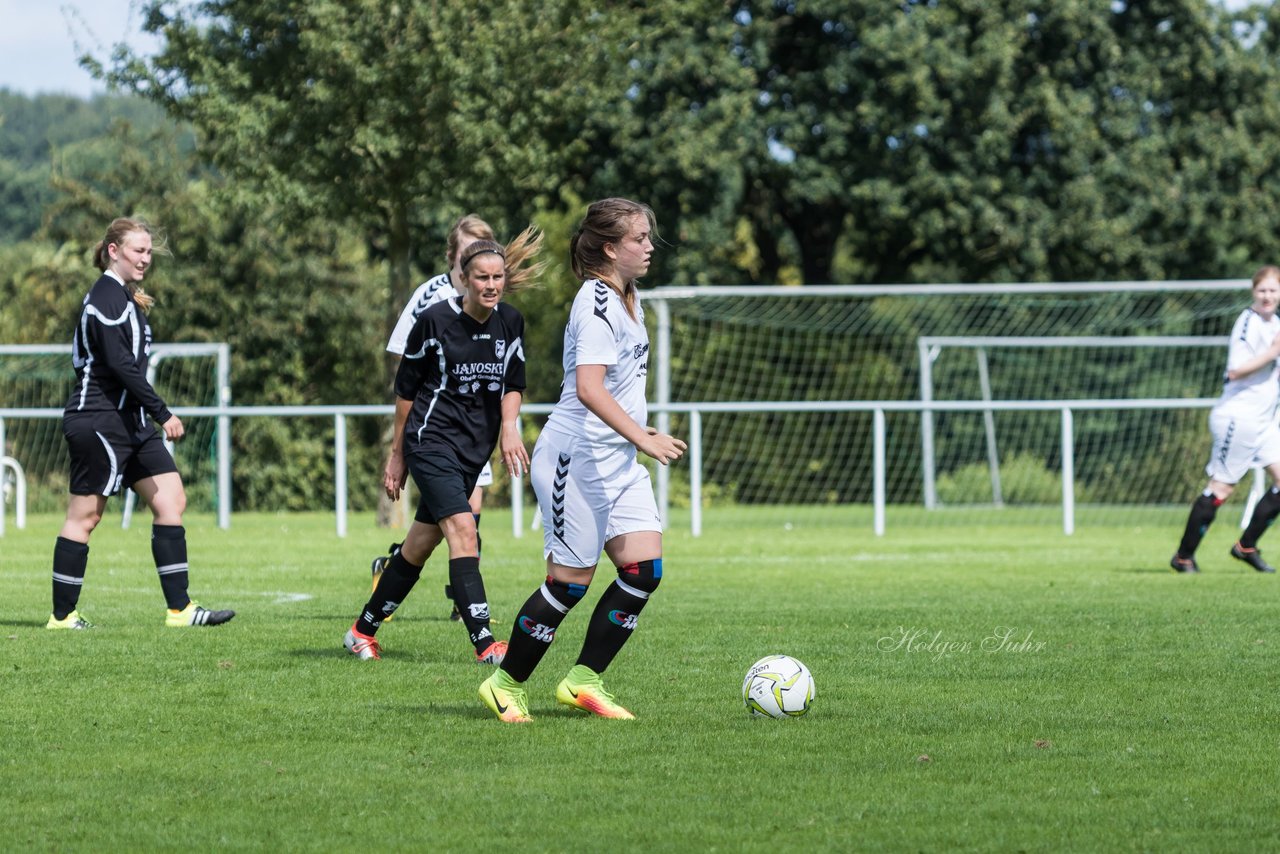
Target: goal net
40 377
1088 346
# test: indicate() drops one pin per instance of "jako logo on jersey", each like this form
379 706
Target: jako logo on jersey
622 618
640 350
479 611
499 348
537 631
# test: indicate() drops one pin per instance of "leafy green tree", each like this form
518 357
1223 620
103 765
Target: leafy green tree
395 118
971 141
674 136
32 132
284 300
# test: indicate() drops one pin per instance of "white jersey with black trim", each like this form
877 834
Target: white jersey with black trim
1255 395
601 332
429 293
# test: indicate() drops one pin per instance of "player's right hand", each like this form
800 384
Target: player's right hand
663 448
393 476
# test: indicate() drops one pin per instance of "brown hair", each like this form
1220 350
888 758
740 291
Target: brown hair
516 257
1269 271
606 222
470 225
116 232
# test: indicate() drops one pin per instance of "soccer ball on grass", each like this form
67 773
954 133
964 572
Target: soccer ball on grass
778 686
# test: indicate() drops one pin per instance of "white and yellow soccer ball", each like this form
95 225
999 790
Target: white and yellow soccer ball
778 686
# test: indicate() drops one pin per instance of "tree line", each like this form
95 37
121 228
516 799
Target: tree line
306 159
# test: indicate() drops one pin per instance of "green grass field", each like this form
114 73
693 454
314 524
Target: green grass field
979 688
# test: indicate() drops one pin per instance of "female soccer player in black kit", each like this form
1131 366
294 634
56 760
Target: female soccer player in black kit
458 392
111 442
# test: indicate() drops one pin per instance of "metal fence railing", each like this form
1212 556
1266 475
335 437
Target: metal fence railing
695 413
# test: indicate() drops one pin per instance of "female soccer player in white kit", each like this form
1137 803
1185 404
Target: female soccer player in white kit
1243 424
593 491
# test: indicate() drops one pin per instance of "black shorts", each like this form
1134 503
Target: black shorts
444 484
107 451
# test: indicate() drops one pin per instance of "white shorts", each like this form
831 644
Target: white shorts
589 494
1240 444
486 476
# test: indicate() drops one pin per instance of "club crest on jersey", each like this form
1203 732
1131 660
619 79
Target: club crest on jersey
499 348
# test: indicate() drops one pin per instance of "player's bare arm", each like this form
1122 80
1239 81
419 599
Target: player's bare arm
395 473
1263 360
591 391
514 454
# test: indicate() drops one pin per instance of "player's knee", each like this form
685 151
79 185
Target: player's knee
85 523
644 575
565 593
460 533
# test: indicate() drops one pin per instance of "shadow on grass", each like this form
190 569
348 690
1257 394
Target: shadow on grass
399 654
25 624
480 712
346 615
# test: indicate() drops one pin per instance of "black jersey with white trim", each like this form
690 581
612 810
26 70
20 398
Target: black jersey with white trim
110 351
456 371
428 294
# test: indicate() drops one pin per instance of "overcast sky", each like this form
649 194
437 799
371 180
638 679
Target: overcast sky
39 41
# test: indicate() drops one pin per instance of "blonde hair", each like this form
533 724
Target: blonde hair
1269 271
120 228
606 222
517 257
470 225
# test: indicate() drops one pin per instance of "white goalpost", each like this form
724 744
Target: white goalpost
948 450
35 380
931 348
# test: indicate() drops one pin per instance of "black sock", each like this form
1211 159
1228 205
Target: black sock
535 626
1263 515
1202 512
469 596
612 623
448 589
398 578
169 549
69 561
